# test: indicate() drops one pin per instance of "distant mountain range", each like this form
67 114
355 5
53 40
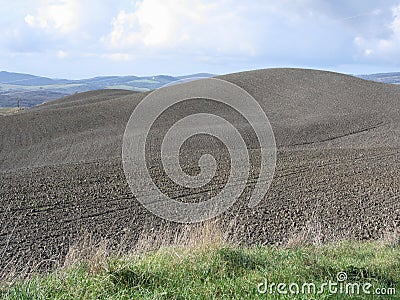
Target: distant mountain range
29 90
393 78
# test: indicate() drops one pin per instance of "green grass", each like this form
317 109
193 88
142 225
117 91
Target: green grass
218 272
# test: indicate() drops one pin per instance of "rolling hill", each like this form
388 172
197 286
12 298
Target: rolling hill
337 173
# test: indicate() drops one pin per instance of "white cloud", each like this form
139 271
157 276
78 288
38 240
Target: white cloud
369 52
113 56
217 36
182 25
385 49
395 26
62 54
62 16
118 56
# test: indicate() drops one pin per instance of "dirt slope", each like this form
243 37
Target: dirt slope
337 170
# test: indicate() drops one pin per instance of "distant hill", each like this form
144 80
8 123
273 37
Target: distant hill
393 78
7 78
30 90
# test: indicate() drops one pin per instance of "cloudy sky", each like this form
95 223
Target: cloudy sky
84 38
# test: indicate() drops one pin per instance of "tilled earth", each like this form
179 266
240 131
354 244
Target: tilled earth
336 194
337 174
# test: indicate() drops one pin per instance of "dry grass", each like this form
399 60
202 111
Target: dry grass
4 111
203 235
95 254
86 250
311 234
391 236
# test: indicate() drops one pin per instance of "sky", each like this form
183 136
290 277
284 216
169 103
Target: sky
85 38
